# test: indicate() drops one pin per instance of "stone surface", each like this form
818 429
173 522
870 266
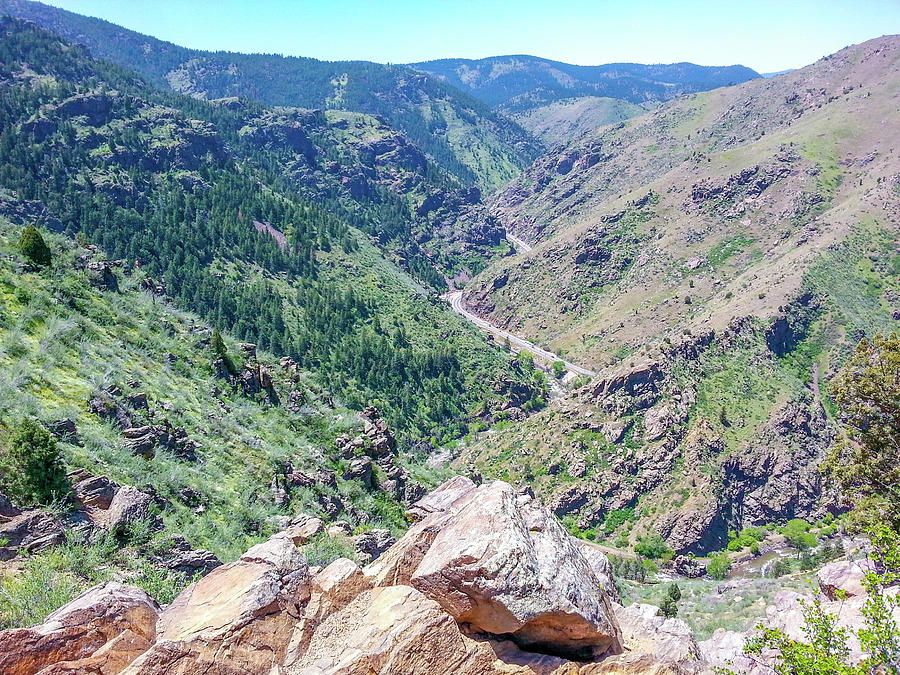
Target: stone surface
127 506
238 619
29 532
101 631
498 561
843 575
440 499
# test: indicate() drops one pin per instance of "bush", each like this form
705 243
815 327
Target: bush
797 533
31 467
652 546
559 368
325 549
719 565
669 606
33 247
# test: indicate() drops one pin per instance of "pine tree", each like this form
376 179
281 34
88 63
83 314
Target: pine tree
33 247
31 466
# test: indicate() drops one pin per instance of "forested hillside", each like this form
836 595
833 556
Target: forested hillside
518 83
188 192
459 132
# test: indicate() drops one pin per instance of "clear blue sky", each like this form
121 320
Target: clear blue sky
767 35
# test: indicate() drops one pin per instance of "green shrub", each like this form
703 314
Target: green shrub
652 546
616 518
669 606
33 247
325 549
163 585
31 467
719 565
797 533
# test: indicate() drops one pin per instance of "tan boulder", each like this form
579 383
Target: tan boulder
601 567
843 575
440 499
101 631
238 619
498 561
653 645
303 528
392 631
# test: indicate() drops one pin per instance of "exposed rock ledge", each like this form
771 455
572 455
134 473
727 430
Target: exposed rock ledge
487 581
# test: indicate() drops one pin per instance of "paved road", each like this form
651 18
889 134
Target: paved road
520 245
456 302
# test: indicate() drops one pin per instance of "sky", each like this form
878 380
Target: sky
767 35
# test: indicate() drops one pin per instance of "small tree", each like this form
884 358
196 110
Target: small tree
867 464
31 467
559 368
669 606
33 247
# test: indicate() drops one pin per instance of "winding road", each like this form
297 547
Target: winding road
456 302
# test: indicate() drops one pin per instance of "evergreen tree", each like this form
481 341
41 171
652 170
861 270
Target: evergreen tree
31 467
33 247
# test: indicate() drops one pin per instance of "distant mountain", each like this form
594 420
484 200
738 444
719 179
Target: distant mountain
778 72
521 82
564 120
461 133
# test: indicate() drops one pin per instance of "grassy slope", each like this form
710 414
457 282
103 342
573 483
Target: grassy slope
61 340
560 122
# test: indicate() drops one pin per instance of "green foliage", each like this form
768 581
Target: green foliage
652 546
33 247
614 519
559 368
797 533
719 565
31 466
867 464
747 537
669 605
163 585
325 549
628 568
780 567
826 649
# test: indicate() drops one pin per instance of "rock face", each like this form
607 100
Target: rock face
501 563
29 532
843 576
101 631
235 620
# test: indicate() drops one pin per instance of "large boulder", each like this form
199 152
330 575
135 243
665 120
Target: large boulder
129 505
391 631
496 560
844 576
101 631
439 500
238 619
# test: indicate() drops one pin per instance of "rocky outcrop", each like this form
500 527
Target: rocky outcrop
101 631
236 620
486 582
29 532
778 478
844 577
498 561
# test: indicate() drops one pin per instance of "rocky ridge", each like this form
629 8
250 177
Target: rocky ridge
486 581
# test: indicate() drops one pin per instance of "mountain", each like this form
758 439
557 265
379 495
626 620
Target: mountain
459 132
559 122
281 226
714 260
517 83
